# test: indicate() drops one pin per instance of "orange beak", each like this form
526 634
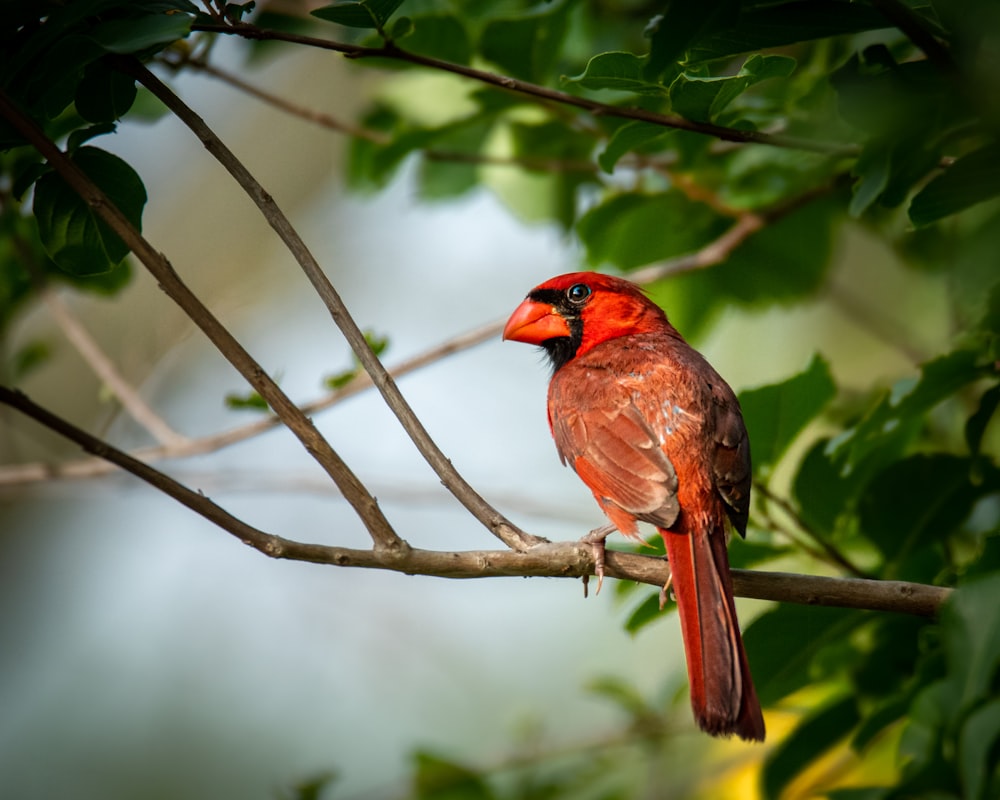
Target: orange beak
534 323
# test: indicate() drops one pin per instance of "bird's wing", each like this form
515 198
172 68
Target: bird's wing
731 458
601 432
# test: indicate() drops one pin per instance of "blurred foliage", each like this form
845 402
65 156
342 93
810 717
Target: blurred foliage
884 119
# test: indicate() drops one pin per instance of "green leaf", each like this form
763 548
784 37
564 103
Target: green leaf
703 98
976 426
141 34
437 778
744 554
73 236
821 492
970 622
623 694
442 36
646 612
681 23
527 46
972 179
104 94
977 745
764 26
814 736
251 401
939 493
620 71
783 263
629 137
784 645
873 170
897 416
776 414
617 231
29 358
359 13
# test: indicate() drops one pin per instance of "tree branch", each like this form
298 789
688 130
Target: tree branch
393 52
13 475
353 490
492 519
541 559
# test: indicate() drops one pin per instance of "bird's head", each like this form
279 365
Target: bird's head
569 314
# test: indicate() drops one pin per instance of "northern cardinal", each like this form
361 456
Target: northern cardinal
657 435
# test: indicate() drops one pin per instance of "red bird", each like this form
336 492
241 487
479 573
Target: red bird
657 435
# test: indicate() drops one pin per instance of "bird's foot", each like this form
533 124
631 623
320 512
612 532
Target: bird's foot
596 540
665 592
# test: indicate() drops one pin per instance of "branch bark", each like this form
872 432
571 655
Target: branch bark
393 52
541 559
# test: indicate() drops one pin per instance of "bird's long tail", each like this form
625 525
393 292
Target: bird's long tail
722 692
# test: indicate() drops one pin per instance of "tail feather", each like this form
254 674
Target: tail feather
722 692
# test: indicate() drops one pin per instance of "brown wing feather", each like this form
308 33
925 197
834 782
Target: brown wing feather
731 459
605 437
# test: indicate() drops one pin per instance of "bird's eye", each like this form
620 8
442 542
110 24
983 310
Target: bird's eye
578 293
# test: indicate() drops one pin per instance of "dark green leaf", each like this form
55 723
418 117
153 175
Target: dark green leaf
744 553
978 763
646 612
813 737
821 492
703 98
104 94
82 135
617 231
73 236
970 180
783 263
527 46
442 36
898 415
628 137
977 423
766 25
776 414
970 622
939 496
141 34
360 13
784 644
682 23
437 778
620 71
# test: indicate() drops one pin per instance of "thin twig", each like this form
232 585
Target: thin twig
826 550
540 559
310 115
492 519
391 51
13 475
353 490
90 351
